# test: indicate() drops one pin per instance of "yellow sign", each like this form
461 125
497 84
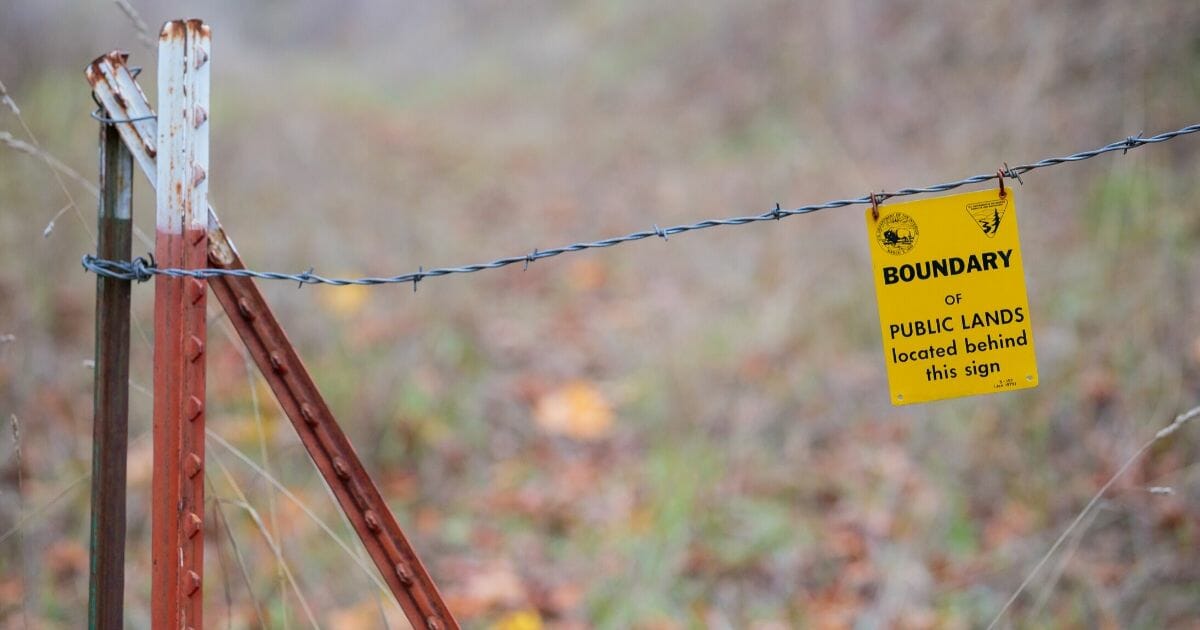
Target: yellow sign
952 303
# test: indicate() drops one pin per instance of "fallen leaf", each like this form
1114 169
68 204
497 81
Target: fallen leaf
587 274
65 559
12 589
490 587
577 410
520 620
346 301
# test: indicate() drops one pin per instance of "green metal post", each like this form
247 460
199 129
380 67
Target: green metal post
110 434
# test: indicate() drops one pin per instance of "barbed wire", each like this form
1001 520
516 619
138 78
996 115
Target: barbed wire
143 269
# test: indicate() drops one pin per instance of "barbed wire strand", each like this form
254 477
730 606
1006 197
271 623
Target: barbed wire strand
141 269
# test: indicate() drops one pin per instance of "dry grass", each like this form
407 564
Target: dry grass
741 465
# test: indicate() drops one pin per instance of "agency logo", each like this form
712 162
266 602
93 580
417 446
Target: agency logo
988 214
897 233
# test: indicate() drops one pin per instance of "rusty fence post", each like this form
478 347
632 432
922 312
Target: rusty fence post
181 240
110 435
335 458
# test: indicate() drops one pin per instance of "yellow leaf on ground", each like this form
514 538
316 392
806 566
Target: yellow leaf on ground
520 620
577 410
344 302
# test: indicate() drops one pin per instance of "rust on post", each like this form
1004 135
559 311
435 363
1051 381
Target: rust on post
110 434
114 86
335 458
179 326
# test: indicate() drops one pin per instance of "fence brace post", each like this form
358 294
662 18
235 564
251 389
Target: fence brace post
179 326
110 428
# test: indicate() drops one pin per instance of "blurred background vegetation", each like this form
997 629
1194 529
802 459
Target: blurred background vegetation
693 433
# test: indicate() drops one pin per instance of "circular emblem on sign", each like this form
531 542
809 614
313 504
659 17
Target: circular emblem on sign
897 233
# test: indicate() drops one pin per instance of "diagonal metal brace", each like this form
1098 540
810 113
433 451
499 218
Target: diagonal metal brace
323 438
276 358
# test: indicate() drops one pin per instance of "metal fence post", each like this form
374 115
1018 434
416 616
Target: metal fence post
179 326
335 458
110 436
